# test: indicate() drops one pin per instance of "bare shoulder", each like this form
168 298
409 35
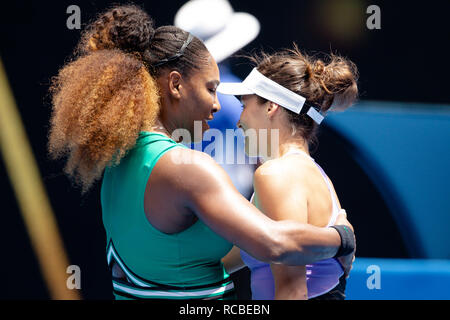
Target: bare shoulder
280 189
186 169
284 170
271 172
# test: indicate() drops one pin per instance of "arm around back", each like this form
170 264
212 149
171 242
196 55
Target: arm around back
205 188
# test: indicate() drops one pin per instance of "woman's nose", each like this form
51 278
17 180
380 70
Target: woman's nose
216 105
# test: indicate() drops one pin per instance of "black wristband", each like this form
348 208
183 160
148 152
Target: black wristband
347 240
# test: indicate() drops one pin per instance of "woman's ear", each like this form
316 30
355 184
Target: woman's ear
174 82
272 108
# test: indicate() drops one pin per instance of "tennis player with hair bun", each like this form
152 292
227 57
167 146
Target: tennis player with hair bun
290 92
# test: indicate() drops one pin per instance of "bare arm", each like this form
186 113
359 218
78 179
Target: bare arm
281 195
206 189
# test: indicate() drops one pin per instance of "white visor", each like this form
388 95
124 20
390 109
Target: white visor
257 83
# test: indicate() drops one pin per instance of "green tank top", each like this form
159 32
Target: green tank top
185 265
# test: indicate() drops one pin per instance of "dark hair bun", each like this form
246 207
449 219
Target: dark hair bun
128 28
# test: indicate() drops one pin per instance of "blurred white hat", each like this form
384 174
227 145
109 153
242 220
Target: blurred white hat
223 31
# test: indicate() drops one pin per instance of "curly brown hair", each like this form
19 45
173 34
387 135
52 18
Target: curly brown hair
107 92
100 104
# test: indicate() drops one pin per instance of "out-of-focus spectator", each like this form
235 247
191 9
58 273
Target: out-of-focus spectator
224 32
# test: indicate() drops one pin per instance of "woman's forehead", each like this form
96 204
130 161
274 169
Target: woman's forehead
212 69
209 72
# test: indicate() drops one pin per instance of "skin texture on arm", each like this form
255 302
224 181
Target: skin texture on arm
205 188
280 195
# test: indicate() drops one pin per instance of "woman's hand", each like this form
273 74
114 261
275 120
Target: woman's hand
346 261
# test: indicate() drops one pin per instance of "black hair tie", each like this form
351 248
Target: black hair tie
177 55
